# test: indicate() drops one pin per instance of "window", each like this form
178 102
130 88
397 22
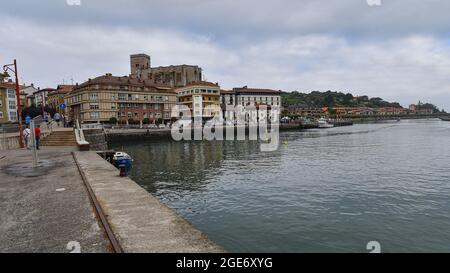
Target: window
94 115
13 116
122 96
93 106
12 104
11 94
113 106
1 114
93 96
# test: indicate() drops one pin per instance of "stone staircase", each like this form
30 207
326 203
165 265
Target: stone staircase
60 138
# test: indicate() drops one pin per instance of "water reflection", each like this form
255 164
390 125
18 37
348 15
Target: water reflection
322 191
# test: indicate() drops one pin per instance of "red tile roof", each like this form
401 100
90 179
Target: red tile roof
203 84
108 79
246 90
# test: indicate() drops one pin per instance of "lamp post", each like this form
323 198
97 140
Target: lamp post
19 110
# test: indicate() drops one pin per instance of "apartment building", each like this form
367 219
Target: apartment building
202 98
123 98
57 97
8 102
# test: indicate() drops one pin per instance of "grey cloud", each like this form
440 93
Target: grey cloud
399 51
248 17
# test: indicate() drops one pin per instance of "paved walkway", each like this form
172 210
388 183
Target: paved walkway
47 209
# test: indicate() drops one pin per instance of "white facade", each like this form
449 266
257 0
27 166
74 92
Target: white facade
258 99
11 105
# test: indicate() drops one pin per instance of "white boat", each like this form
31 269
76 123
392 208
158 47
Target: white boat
121 158
323 123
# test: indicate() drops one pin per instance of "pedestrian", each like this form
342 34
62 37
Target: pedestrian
57 118
37 133
47 120
27 119
64 120
27 137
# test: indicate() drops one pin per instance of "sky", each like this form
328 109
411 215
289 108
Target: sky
395 49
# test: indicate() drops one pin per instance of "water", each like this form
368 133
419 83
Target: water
328 190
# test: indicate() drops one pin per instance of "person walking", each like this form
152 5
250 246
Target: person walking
57 118
27 120
47 120
27 137
37 133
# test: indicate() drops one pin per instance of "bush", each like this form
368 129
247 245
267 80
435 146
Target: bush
146 121
113 120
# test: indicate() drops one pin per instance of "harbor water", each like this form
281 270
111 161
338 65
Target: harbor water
330 190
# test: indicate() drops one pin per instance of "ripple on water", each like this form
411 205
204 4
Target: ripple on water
322 191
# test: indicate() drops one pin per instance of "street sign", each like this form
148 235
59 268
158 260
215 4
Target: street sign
62 106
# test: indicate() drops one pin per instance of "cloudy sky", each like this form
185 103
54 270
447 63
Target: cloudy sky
399 50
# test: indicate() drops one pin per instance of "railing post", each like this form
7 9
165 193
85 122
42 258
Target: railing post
33 141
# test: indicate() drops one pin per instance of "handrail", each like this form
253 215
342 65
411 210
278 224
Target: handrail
79 136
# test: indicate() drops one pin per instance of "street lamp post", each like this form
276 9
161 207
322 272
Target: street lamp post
19 110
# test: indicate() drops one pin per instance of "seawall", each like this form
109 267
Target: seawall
139 221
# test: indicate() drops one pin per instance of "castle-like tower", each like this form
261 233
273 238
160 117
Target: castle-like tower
170 76
139 63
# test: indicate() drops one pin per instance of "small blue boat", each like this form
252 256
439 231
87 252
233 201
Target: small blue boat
121 158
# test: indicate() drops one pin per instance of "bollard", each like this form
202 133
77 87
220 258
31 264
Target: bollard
123 170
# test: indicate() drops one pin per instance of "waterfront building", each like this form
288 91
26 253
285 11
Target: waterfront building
354 111
169 76
245 96
202 98
124 98
256 96
57 97
392 111
302 110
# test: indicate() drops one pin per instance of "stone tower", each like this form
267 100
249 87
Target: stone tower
138 63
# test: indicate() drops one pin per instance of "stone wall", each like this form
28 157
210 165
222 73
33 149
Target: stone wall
96 138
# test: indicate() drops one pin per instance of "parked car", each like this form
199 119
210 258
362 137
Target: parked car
162 126
152 126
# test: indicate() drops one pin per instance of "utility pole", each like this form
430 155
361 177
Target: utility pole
19 108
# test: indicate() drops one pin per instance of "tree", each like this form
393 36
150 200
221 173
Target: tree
113 120
31 111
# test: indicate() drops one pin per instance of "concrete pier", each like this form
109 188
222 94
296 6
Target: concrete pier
139 221
46 209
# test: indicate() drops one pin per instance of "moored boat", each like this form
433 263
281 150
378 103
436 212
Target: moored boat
445 118
323 123
123 159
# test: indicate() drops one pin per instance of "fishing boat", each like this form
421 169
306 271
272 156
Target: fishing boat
323 123
123 159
